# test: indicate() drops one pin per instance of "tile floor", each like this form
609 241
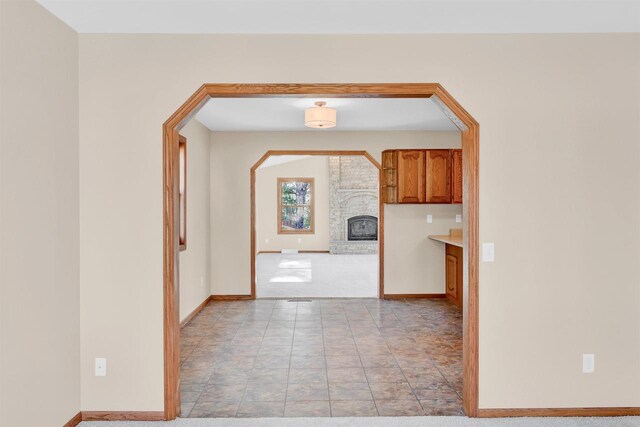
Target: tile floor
327 357
309 275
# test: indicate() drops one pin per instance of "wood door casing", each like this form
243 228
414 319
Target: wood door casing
438 176
411 176
456 176
470 143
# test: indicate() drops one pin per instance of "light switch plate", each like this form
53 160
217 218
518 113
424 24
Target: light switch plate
458 218
588 363
101 367
429 219
488 252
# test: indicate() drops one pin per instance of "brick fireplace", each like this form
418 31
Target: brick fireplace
353 205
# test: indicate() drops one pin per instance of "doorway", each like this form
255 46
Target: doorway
470 139
345 256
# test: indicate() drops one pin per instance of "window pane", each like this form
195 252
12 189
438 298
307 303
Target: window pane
296 193
296 218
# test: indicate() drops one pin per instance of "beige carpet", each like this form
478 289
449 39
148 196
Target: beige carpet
379 422
317 276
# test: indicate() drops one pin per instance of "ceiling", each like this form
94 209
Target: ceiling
346 17
354 114
278 160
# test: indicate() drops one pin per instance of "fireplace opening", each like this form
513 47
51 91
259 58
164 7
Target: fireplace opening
362 227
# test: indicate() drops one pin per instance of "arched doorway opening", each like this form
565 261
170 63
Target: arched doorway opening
380 213
470 149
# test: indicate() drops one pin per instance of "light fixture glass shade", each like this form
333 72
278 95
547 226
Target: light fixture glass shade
320 117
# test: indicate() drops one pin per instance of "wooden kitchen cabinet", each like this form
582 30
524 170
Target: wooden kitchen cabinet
389 176
438 176
422 176
410 176
451 280
453 273
456 176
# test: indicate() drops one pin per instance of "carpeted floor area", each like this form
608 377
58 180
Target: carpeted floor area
317 276
379 422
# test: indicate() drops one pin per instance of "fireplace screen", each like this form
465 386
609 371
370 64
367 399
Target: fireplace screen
363 227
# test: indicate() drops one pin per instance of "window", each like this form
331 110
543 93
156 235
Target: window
182 191
295 205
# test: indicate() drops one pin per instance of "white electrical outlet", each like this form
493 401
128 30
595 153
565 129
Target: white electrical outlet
488 252
266 240
299 240
101 367
458 218
588 363
429 219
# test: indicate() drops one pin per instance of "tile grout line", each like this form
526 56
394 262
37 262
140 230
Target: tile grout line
234 335
293 338
212 371
443 377
403 374
254 362
326 366
375 404
401 370
181 363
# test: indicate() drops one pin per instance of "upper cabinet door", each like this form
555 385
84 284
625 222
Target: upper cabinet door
411 176
456 176
438 176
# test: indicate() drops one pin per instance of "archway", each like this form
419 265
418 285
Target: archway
470 149
364 154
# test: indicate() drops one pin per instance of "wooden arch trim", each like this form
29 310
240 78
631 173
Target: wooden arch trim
316 153
361 153
470 148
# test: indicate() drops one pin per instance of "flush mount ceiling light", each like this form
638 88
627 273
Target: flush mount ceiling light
320 117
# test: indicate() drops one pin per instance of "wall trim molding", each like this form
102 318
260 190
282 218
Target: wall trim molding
74 421
411 296
123 415
230 297
197 310
559 412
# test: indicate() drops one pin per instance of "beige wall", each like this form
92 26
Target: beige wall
267 237
194 261
233 154
558 159
414 264
39 242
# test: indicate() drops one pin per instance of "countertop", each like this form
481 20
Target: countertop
448 239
